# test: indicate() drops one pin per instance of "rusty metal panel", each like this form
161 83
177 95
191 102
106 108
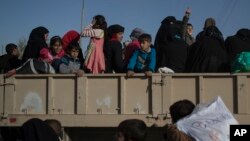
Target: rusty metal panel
63 95
138 96
223 86
157 105
102 95
184 88
26 96
106 99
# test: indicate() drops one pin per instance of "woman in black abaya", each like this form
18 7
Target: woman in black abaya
37 41
208 54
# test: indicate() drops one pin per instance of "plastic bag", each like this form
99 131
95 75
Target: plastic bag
241 62
208 122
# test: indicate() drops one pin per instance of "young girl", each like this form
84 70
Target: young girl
70 62
94 60
52 54
113 49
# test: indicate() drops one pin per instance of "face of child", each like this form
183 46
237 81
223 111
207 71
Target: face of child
74 53
189 30
15 52
119 36
145 45
57 47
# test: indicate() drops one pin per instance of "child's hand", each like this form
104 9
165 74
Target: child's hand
130 73
148 73
10 73
79 73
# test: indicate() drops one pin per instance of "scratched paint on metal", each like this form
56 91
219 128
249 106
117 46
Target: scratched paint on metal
32 103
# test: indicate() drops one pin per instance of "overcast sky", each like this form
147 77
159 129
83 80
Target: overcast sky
19 17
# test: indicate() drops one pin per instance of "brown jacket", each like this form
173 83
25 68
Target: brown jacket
174 134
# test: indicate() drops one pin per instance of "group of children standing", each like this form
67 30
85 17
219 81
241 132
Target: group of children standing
104 53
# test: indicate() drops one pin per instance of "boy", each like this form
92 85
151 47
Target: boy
178 110
70 63
189 38
143 59
10 60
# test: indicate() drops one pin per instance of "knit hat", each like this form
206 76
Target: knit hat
116 28
136 33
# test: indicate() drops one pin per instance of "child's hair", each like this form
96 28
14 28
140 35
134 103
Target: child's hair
189 24
55 39
181 109
73 45
10 47
145 37
100 22
133 129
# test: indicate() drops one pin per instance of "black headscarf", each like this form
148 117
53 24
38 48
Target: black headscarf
171 49
37 130
238 43
35 43
208 54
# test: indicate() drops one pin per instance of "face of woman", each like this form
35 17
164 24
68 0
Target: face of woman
57 47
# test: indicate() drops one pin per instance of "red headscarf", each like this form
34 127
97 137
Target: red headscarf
70 36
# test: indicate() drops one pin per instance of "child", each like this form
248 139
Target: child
70 63
10 60
54 53
133 45
94 60
113 49
189 38
178 110
143 59
69 37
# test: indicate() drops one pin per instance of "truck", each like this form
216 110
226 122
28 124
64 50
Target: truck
96 104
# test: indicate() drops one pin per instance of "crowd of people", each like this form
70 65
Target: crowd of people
174 48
